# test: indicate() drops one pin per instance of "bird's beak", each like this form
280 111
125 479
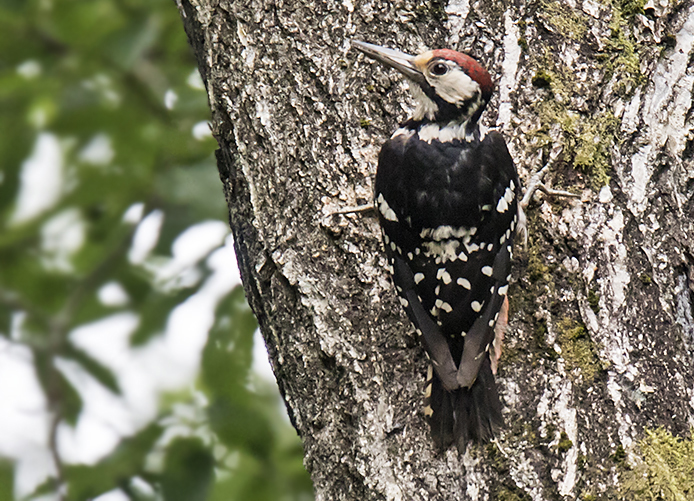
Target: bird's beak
400 61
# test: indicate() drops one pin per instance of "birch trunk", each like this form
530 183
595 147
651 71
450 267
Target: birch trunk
601 338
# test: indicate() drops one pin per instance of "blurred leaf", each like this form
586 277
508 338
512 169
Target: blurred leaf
239 425
197 187
154 312
26 277
249 480
128 45
6 480
5 317
70 399
48 486
93 367
188 472
109 79
83 25
228 354
63 397
86 482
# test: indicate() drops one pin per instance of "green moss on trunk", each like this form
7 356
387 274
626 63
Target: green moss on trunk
664 470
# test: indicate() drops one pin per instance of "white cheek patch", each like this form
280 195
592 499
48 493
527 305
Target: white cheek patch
455 87
425 106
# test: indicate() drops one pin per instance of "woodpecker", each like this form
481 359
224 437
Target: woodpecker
447 202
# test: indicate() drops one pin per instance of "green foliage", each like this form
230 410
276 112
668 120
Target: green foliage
85 482
664 470
188 472
266 462
6 480
111 86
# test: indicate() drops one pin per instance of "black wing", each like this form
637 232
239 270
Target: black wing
448 213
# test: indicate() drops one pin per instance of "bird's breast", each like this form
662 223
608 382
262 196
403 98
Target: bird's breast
443 185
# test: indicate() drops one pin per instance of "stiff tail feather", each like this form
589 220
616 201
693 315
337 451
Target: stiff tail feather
463 415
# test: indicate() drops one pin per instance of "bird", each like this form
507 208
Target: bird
447 199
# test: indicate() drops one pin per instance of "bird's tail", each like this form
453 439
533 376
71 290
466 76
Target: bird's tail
463 415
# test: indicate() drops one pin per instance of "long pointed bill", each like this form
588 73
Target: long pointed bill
400 61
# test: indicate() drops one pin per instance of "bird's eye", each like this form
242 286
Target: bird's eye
439 69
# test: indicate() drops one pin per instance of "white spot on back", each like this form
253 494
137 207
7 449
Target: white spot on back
385 209
445 232
418 277
472 248
443 251
464 282
487 270
390 215
476 306
502 206
443 275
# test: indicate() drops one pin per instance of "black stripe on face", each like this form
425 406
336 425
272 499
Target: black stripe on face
448 112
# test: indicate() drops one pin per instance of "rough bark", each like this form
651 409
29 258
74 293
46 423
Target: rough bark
601 338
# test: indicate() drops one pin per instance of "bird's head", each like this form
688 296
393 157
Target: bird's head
450 87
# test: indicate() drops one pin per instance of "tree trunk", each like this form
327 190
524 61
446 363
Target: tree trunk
601 337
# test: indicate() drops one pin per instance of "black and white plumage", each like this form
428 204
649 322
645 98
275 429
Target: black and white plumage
447 201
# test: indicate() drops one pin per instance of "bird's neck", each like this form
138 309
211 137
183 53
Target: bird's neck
466 131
